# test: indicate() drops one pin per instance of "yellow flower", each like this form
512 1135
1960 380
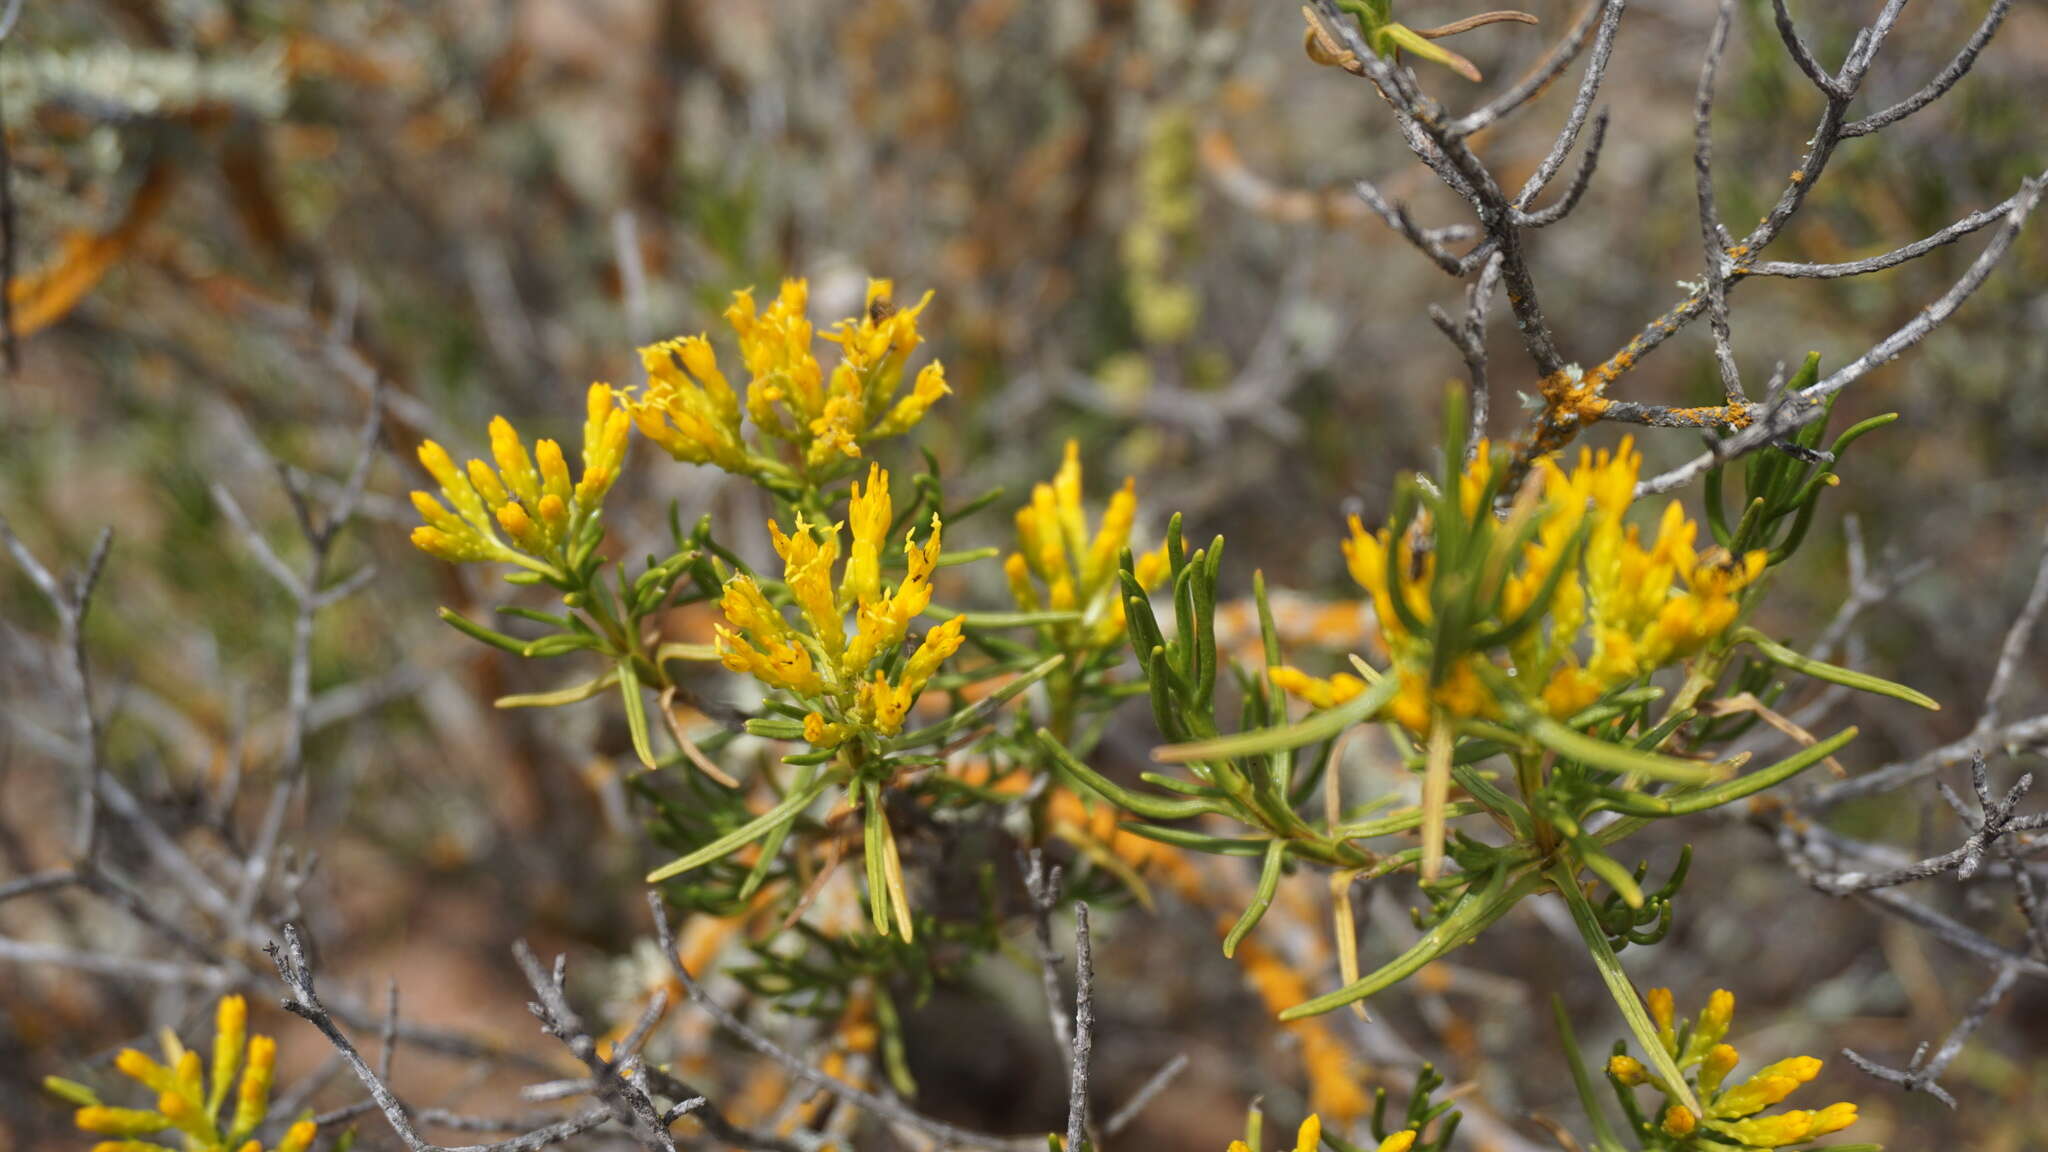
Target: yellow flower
1731 1117
1309 1138
1320 692
1663 1009
1768 1087
1628 1070
843 675
688 407
1712 1025
1061 566
694 413
1612 607
1719 1061
189 1099
1649 605
868 511
528 497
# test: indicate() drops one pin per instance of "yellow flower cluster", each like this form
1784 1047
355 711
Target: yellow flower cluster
692 411
189 1101
530 498
1644 607
1620 611
1076 570
846 677
1309 1138
1731 1113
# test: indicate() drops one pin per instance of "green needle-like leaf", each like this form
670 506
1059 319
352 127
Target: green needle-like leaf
1618 758
1785 657
974 713
560 696
1684 803
636 711
1320 726
1269 883
791 807
1618 985
1150 807
1474 912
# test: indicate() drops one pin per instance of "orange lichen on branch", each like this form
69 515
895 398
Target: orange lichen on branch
1707 416
1574 400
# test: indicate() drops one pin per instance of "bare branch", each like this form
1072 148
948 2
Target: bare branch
36 882
122 967
1897 256
1713 236
71 600
1919 1077
1582 178
888 1110
2017 637
1996 821
1084 1030
1146 1093
1429 242
1582 106
1539 78
1042 885
295 969
1943 81
1808 408
1801 55
309 590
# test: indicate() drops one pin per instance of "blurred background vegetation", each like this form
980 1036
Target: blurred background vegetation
232 217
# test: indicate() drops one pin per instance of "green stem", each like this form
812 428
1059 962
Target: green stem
1529 777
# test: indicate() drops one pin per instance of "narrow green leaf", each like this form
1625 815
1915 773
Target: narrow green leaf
1320 726
680 651
560 696
1618 986
560 644
1617 757
70 1091
1785 657
1409 40
1603 1133
1685 803
894 1060
478 632
636 711
954 559
1608 869
1400 822
789 809
1269 635
1269 883
1175 784
1474 912
772 846
1197 841
1150 807
872 830
975 712
997 620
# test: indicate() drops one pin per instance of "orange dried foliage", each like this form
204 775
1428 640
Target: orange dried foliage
45 295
